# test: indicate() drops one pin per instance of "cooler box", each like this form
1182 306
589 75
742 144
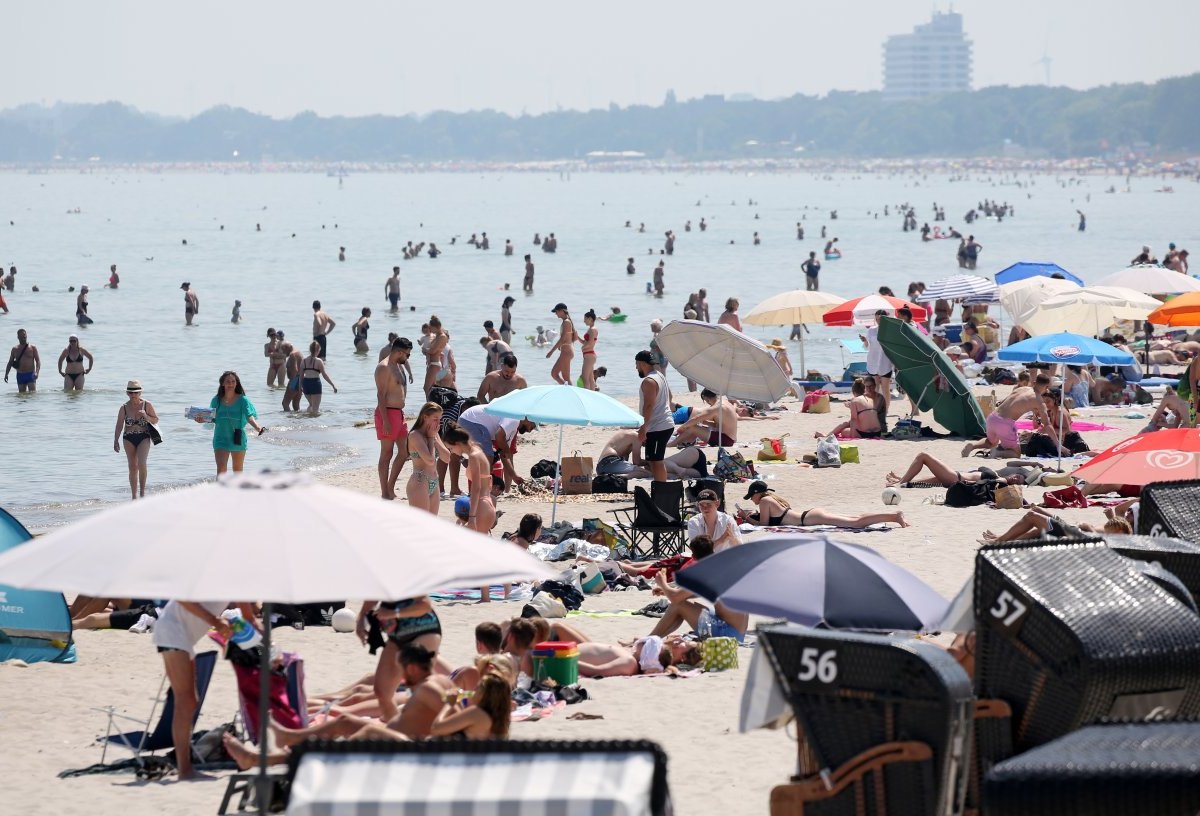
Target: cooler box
556 661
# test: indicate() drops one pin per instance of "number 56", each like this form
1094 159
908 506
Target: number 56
819 665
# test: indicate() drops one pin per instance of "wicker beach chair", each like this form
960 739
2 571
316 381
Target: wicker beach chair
880 719
1070 634
1101 770
1171 509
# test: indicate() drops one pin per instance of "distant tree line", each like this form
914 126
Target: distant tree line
1057 122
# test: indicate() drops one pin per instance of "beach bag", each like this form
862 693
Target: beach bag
719 654
732 467
829 452
546 606
1009 497
773 450
969 494
907 429
544 468
610 483
154 433
577 473
816 402
592 579
848 453
1066 497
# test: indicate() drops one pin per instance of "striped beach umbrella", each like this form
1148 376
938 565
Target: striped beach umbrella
861 311
961 287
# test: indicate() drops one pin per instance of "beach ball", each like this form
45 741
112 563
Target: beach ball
891 495
344 619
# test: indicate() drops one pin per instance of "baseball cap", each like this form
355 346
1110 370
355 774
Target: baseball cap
756 488
559 307
644 356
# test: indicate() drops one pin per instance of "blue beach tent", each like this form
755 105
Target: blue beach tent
35 626
1034 269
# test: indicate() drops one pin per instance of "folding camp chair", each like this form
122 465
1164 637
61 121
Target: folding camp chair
655 520
147 741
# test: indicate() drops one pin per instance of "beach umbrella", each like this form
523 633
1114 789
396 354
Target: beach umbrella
960 287
1180 311
789 308
275 537
723 360
1168 455
930 379
861 311
1067 349
1089 310
1020 297
813 579
1034 269
1153 279
564 405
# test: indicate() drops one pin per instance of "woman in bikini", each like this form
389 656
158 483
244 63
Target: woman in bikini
360 329
277 358
312 369
72 357
133 421
487 712
560 372
426 449
588 341
774 511
434 351
394 625
482 515
506 319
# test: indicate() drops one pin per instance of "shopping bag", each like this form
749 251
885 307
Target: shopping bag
577 474
1009 497
719 654
773 450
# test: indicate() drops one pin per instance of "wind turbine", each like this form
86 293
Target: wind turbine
1045 60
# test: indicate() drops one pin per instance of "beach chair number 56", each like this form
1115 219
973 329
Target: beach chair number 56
818 665
1008 610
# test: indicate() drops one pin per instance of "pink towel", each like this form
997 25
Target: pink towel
1076 425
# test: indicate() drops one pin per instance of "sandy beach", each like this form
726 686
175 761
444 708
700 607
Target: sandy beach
47 721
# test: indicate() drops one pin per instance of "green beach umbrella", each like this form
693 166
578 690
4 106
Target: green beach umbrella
930 379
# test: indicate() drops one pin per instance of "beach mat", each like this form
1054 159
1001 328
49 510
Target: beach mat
1027 425
496 593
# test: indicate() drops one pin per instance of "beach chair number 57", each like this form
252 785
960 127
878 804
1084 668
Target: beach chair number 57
818 665
1008 610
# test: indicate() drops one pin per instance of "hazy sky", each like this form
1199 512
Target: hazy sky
369 56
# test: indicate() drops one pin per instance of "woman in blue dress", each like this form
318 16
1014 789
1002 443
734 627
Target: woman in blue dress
232 411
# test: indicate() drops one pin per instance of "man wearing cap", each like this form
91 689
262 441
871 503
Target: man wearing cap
191 302
654 404
25 359
495 434
564 345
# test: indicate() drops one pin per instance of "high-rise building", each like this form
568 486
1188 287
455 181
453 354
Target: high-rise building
935 58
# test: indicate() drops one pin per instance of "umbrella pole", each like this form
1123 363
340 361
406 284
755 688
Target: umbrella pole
264 693
803 369
558 479
720 431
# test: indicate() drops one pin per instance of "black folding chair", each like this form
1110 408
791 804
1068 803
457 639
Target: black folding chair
654 525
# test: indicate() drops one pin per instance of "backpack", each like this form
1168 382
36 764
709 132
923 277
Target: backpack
610 483
970 494
543 469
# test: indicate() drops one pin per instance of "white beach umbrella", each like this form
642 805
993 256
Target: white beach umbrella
1088 311
274 537
1020 297
1152 279
789 308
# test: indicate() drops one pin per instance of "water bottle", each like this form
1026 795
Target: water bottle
244 635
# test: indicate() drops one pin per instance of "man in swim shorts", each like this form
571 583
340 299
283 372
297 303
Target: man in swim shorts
322 325
391 288
391 389
1002 422
24 358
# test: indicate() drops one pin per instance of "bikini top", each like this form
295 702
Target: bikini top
78 359
141 421
309 371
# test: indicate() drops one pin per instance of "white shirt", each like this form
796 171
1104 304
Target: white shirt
177 628
491 422
877 360
725 524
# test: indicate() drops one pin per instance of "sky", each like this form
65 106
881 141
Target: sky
360 57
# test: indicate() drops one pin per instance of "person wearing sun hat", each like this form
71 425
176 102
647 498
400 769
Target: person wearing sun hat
779 352
133 432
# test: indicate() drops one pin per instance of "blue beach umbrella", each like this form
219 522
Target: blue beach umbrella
564 405
813 579
1034 269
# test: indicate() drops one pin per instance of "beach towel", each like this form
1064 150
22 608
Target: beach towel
1027 425
496 593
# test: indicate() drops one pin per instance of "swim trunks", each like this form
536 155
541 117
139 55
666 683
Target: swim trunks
656 445
870 434
394 299
320 338
1002 431
614 465
399 428
722 439
26 377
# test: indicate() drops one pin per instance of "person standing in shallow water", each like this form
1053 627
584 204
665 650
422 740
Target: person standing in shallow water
191 303
232 411
132 431
70 364
24 358
527 284
561 370
391 289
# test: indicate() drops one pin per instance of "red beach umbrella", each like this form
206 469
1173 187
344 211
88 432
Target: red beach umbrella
1161 456
861 311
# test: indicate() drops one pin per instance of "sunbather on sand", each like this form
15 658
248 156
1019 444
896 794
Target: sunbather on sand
413 721
774 511
701 547
1002 422
623 446
719 621
649 655
864 419
121 613
944 476
1173 412
1038 523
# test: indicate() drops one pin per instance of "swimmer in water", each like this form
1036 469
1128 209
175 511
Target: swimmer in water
360 329
191 303
70 364
292 361
561 370
81 307
237 312
114 280
391 289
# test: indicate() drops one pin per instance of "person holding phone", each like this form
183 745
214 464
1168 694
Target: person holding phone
232 411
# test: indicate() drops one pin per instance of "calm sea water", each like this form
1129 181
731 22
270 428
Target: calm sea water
58 461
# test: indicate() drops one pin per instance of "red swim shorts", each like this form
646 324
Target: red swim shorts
398 426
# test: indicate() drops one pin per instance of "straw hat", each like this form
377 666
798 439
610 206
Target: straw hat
777 344
133 385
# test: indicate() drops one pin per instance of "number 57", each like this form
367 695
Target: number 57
1008 609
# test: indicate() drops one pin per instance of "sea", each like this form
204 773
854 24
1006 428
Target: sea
64 229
